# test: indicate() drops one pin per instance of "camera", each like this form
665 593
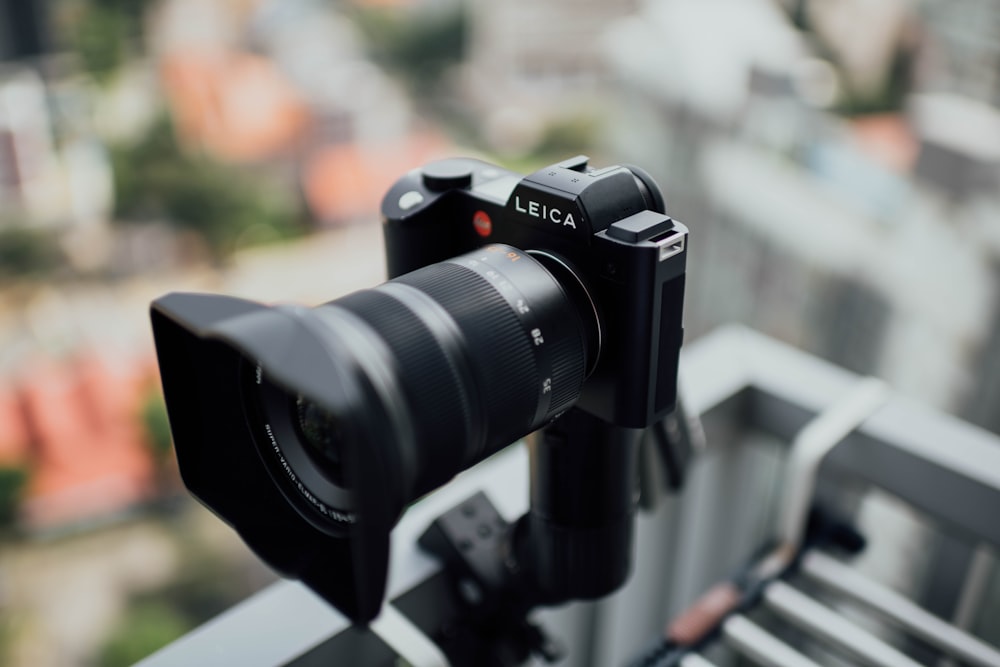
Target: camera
514 300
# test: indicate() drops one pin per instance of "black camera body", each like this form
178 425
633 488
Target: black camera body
609 225
517 303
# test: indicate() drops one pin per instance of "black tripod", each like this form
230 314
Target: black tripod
574 543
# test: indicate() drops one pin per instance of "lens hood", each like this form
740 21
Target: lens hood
205 344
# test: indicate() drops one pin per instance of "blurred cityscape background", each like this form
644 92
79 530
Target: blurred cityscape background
837 162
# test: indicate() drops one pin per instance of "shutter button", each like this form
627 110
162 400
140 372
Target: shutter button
447 175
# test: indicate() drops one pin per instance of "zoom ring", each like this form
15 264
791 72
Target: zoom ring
429 379
495 348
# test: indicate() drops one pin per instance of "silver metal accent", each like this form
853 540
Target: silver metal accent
410 199
695 660
407 640
971 599
831 627
761 646
272 627
814 442
672 245
846 581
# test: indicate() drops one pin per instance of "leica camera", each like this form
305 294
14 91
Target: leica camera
513 300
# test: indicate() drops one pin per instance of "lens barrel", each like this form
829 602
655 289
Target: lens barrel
465 357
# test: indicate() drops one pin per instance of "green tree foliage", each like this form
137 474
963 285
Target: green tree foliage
156 424
156 180
26 252
890 96
146 627
206 586
104 31
566 136
12 483
418 47
100 40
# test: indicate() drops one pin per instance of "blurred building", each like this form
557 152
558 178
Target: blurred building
75 428
289 85
29 179
964 51
531 63
868 239
234 106
22 29
346 182
54 173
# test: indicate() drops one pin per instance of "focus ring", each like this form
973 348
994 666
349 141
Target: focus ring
568 370
496 345
430 381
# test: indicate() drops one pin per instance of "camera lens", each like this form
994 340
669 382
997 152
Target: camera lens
322 434
437 369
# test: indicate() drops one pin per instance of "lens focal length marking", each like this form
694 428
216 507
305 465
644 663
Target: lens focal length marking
492 263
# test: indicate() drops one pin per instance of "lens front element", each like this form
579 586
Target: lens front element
322 433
